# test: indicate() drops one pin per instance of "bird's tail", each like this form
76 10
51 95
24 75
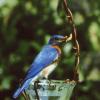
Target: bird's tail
21 89
17 93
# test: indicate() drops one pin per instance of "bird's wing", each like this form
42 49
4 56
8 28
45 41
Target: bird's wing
44 58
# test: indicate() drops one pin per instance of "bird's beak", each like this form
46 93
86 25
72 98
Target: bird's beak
68 38
65 38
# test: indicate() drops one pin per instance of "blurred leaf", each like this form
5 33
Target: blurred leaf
5 84
94 75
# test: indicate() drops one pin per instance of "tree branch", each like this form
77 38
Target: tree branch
74 38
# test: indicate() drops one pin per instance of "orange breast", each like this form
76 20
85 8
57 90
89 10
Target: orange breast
58 48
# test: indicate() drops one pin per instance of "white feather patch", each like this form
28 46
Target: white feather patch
49 69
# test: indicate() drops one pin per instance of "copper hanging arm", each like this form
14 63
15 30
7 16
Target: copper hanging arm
74 38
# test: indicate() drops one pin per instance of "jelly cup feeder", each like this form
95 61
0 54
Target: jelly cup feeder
57 89
50 90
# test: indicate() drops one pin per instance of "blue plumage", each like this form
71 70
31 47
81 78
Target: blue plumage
44 58
22 88
42 62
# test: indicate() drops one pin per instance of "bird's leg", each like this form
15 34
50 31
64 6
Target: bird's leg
35 89
44 78
49 82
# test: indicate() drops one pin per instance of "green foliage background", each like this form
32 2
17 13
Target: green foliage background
26 25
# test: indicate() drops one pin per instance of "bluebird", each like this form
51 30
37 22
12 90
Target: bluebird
45 62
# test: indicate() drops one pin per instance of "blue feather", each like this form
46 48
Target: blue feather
21 89
44 58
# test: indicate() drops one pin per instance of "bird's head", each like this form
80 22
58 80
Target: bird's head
58 39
